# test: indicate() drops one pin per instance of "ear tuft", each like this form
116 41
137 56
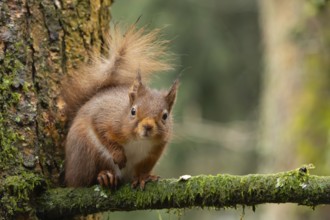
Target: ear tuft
135 88
171 95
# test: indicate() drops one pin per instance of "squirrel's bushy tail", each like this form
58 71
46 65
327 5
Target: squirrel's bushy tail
129 52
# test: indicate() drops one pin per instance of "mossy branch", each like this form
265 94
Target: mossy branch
222 190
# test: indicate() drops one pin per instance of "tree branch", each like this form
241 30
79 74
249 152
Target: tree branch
222 190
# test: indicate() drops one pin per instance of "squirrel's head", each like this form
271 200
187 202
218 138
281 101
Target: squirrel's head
150 110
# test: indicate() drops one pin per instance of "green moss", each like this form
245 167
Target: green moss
16 183
221 191
16 192
9 154
28 62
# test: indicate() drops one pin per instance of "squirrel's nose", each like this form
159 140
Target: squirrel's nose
147 127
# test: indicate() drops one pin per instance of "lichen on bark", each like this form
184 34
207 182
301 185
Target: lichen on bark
17 110
39 45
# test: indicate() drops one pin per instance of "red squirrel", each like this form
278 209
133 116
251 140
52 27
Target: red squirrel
119 126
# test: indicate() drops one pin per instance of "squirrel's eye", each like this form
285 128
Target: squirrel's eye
133 111
165 115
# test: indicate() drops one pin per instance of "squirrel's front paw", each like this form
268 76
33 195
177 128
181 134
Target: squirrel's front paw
143 179
120 159
107 178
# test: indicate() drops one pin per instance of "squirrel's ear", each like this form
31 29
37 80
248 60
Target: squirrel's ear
171 95
136 88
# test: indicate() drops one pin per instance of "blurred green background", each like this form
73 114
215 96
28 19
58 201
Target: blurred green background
217 50
247 101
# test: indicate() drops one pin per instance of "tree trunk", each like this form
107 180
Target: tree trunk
282 80
295 109
40 41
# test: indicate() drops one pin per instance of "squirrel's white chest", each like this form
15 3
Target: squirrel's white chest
135 151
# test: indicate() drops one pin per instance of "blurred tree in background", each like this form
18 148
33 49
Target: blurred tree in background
295 112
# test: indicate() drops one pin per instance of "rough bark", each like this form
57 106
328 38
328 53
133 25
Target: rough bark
40 41
220 191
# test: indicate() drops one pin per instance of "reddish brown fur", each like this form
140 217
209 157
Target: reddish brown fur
129 52
83 155
111 141
100 98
